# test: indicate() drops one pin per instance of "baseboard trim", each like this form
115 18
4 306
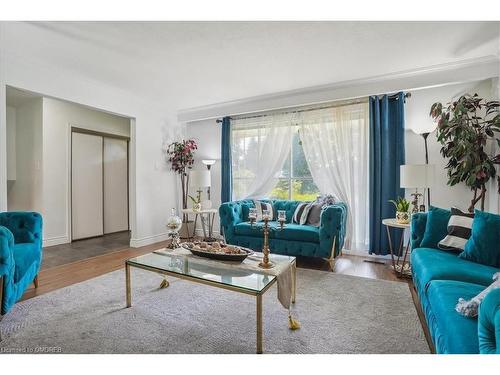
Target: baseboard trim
216 234
59 240
365 254
149 240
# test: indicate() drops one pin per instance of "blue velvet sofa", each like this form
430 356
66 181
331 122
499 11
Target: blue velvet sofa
325 241
440 279
20 255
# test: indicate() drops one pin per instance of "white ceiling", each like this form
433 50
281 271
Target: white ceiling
188 64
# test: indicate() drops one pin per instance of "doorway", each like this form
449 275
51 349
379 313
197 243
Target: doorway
99 184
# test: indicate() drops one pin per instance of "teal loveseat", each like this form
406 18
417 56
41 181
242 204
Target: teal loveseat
20 255
325 241
441 278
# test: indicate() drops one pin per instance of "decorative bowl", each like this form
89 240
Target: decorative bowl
211 253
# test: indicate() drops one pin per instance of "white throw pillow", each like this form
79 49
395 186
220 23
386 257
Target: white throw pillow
261 206
470 308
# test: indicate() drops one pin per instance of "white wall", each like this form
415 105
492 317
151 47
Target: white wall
11 143
417 115
207 134
154 188
58 117
25 194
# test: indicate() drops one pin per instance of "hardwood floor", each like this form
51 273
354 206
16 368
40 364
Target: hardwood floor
83 249
56 277
64 275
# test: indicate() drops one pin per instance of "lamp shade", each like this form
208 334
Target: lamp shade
416 175
198 179
208 161
425 128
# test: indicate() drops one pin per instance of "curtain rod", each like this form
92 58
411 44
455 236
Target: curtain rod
406 95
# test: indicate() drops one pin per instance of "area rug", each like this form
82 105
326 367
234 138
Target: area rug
338 314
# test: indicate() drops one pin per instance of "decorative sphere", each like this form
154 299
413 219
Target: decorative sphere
174 223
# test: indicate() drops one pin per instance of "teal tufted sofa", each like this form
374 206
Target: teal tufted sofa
20 254
325 241
441 278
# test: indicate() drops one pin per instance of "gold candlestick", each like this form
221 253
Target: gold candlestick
265 247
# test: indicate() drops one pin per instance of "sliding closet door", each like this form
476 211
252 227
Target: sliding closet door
86 185
115 185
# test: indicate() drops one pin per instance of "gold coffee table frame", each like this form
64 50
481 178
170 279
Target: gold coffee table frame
257 294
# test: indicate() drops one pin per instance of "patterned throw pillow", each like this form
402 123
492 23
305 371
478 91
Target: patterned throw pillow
459 230
308 214
299 212
261 206
314 214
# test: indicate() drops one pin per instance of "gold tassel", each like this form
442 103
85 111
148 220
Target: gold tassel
293 324
164 284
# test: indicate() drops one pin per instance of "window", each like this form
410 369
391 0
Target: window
295 181
269 159
250 140
244 144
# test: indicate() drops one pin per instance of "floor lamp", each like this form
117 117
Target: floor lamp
208 163
424 132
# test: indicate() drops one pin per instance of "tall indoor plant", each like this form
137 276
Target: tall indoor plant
181 158
465 129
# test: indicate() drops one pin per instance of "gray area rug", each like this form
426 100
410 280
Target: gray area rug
338 314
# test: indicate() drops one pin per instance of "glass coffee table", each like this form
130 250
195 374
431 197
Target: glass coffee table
208 272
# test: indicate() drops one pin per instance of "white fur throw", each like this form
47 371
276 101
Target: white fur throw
470 308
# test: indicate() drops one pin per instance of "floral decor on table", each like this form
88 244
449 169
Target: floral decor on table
402 208
196 203
466 128
181 157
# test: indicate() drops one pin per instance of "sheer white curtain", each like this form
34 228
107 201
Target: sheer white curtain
260 147
335 142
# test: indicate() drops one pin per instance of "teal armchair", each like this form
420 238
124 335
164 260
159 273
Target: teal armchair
325 241
20 255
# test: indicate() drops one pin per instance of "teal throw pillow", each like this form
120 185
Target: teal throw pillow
484 244
436 228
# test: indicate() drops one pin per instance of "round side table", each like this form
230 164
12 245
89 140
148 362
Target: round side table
401 267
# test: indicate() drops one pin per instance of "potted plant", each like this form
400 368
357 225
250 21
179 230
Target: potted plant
196 202
402 208
466 128
181 158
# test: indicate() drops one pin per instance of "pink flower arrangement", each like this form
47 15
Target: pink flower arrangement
181 155
181 158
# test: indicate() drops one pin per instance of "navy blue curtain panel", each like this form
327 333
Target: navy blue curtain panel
226 175
387 153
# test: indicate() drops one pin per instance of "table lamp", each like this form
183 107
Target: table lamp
200 180
416 176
